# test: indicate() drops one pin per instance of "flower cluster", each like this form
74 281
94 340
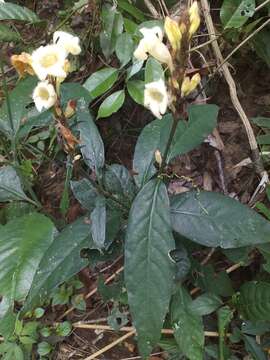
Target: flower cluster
50 64
156 95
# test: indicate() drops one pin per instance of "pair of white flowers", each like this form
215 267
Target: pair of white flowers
51 61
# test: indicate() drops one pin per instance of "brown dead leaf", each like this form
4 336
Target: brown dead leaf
69 140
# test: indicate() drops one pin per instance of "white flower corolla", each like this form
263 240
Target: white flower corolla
151 44
44 95
70 43
49 60
2 1
156 97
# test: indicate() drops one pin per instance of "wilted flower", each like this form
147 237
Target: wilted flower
173 32
70 43
151 44
194 18
49 60
156 97
44 95
189 85
22 64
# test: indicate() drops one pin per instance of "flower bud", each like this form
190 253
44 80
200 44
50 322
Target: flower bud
194 18
173 32
158 157
70 109
189 85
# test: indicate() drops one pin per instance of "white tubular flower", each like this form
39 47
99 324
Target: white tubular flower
67 41
2 2
44 95
151 44
156 97
49 60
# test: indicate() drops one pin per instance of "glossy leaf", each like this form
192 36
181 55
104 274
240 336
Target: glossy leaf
235 13
136 90
112 28
111 104
10 185
23 242
153 71
213 220
98 223
92 147
147 144
101 81
134 68
188 327
253 301
85 192
148 270
60 262
19 98
9 11
202 119
124 48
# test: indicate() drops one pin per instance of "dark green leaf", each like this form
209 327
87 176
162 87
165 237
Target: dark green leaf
263 122
254 301
118 181
92 147
261 45
112 28
254 348
131 9
9 11
235 13
212 219
148 270
124 48
136 90
85 192
255 327
153 71
7 34
205 304
10 185
19 98
188 327
263 139
147 144
111 104
74 91
202 121
130 26
98 223
60 262
101 81
23 242
44 348
34 119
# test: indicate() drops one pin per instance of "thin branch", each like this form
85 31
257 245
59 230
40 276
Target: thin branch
152 9
262 5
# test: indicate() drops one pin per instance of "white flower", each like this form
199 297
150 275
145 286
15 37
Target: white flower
49 60
67 41
156 97
2 1
151 44
44 95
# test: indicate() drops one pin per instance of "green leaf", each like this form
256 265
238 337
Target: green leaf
7 34
153 71
19 98
136 90
263 139
85 192
254 301
74 91
9 11
64 328
261 121
130 26
134 68
254 348
261 45
101 81
10 185
59 263
131 9
112 28
23 242
205 304
124 48
225 315
98 222
202 121
147 143
188 327
118 181
148 270
111 104
44 348
92 147
212 219
235 13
